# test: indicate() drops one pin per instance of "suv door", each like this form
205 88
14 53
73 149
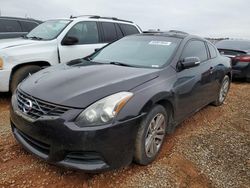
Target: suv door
87 33
193 85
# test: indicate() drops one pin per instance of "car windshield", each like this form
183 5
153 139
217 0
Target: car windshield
48 30
139 51
233 45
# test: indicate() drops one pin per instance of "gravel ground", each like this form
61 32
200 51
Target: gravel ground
210 149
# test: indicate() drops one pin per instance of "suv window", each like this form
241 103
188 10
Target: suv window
195 49
128 29
118 31
85 32
28 26
212 50
9 26
109 32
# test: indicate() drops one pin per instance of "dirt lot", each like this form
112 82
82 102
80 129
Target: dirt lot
210 149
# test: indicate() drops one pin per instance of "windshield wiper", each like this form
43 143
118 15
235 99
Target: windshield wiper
121 64
34 37
24 36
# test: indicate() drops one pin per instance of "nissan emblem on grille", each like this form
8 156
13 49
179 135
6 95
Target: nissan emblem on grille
27 106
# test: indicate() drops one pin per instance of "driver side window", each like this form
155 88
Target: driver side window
85 32
195 48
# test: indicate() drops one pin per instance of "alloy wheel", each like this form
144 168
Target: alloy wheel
155 135
224 90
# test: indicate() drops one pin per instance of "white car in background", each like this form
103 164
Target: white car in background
57 41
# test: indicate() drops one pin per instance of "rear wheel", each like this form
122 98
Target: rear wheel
21 73
223 91
151 135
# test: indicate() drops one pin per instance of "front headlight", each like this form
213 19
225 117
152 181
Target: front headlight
104 110
1 63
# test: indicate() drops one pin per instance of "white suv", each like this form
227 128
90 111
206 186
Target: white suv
57 41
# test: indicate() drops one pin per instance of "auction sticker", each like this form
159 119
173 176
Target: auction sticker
164 43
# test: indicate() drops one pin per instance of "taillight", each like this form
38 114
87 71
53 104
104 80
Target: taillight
245 58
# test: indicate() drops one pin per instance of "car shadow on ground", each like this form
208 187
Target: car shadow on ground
5 96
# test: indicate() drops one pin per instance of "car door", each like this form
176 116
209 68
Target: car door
193 84
216 70
88 36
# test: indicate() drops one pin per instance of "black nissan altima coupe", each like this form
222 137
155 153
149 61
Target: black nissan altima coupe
116 105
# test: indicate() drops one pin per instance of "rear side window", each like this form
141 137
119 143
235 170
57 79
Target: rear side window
85 32
195 49
10 26
109 32
28 26
118 31
128 29
212 50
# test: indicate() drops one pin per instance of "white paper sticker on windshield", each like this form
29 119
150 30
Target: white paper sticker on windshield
164 43
155 66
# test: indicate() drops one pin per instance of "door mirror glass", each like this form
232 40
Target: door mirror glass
70 40
189 62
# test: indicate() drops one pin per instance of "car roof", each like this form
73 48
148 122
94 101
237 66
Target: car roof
173 33
17 18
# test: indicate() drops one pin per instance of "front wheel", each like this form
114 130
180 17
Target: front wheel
223 91
151 135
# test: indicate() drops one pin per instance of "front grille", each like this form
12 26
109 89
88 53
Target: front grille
35 108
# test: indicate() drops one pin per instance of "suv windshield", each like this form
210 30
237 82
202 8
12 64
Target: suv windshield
48 30
138 51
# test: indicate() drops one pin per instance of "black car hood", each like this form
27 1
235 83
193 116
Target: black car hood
80 86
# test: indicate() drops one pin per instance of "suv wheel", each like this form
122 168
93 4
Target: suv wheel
150 136
21 74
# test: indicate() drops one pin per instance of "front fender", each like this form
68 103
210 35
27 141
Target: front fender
148 94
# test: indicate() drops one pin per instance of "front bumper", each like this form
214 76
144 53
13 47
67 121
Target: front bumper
241 70
61 142
4 80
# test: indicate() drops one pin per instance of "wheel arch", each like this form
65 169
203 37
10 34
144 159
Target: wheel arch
38 63
166 100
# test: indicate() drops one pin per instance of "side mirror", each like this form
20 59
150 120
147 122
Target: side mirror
189 62
70 41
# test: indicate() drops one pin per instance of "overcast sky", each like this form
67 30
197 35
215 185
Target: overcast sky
207 18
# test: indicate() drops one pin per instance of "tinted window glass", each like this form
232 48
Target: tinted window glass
10 26
28 26
195 49
118 31
128 29
109 32
141 51
212 50
86 32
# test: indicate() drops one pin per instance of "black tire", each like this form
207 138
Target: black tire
218 101
21 73
140 155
